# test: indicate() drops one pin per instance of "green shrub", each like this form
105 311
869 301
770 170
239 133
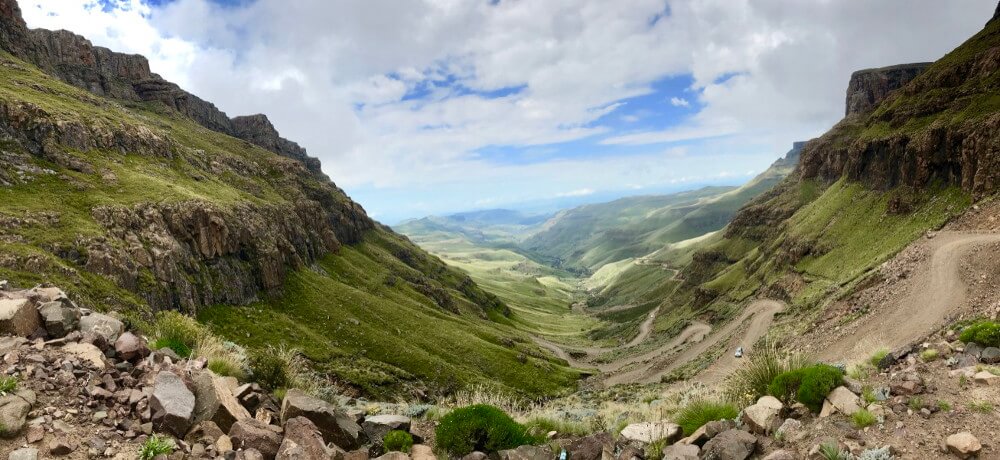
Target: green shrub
759 368
177 332
808 385
181 348
698 413
985 333
878 356
8 384
929 355
480 428
863 418
156 445
271 368
397 441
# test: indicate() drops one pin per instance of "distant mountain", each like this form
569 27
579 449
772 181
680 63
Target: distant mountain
494 226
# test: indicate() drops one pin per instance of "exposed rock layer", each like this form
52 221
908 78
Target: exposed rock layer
870 86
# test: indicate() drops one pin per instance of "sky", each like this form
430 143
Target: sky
419 107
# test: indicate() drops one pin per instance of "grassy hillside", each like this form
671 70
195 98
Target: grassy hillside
131 207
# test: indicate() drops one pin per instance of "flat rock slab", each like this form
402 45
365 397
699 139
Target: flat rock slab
214 401
652 431
105 326
19 317
172 404
87 352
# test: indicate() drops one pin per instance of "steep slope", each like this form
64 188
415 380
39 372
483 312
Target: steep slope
139 200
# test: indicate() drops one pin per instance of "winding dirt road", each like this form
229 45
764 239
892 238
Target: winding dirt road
936 290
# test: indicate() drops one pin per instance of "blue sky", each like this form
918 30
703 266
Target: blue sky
433 106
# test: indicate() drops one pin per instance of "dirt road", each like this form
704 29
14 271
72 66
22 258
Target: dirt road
936 290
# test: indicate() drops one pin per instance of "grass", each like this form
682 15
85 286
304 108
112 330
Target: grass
863 418
983 407
830 451
878 356
944 406
156 445
915 403
698 413
758 369
540 426
929 355
8 385
868 394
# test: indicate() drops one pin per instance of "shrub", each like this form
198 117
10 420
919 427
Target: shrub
929 355
480 428
156 445
698 413
985 333
863 418
8 384
760 366
177 332
878 356
397 441
272 367
808 385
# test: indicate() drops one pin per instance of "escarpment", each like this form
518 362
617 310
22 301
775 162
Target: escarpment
870 86
75 60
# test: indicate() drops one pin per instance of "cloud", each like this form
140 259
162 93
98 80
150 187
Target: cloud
577 192
400 100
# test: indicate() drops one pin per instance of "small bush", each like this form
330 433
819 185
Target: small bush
177 332
8 385
878 356
397 441
985 333
830 451
915 403
983 407
868 394
751 380
698 413
156 445
863 418
181 348
808 385
480 428
929 355
944 406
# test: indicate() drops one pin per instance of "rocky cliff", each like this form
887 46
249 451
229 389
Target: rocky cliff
870 86
75 60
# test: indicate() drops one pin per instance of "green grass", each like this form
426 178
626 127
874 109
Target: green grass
8 385
983 407
862 419
156 445
397 441
697 413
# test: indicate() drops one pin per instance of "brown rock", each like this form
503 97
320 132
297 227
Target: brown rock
963 445
336 427
252 434
214 401
302 441
19 317
59 446
172 404
730 445
592 447
131 347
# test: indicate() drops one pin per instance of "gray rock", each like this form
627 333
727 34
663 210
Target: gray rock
249 454
527 453
254 434
764 416
131 347
302 441
475 456
681 452
781 455
26 453
59 318
377 426
337 427
648 432
18 317
713 428
14 412
730 445
592 447
105 326
974 349
214 401
990 355
172 404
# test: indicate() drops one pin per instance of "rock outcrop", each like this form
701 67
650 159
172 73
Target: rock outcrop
76 61
870 86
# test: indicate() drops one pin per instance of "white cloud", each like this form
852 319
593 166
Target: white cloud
765 73
577 192
679 102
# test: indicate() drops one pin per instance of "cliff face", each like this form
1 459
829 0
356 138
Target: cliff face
869 87
75 60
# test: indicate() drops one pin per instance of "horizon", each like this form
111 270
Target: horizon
440 107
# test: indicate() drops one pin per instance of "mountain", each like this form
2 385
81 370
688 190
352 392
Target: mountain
137 196
591 236
486 226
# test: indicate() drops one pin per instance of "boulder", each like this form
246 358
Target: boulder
249 454
990 355
59 446
699 437
974 349
964 360
844 400
527 453
422 452
335 426
214 401
592 447
986 378
681 452
254 434
103 325
205 432
26 453
475 456
791 430
131 347
19 317
781 455
377 426
13 413
172 404
963 445
730 445
88 353
765 416
302 441
393 456
648 432
59 318
713 428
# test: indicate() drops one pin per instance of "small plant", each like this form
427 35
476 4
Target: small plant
751 380
868 394
983 407
863 418
915 403
397 441
480 428
156 445
698 413
985 333
929 355
279 367
8 384
830 451
881 453
540 426
655 448
177 332
862 371
808 385
963 380
878 356
944 406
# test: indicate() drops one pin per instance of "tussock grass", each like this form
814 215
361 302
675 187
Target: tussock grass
698 413
759 368
8 385
156 445
863 418
189 339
